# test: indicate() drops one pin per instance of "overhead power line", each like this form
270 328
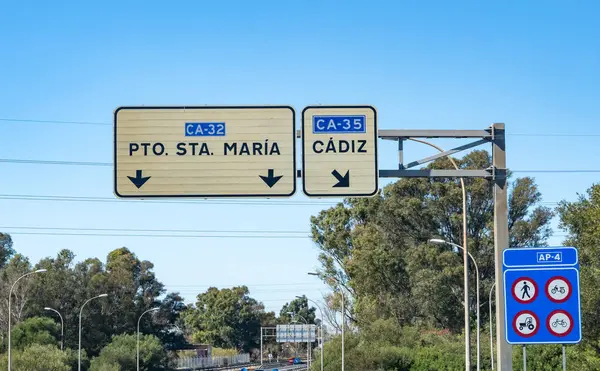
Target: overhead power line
88 123
56 122
196 202
151 235
47 162
228 285
130 201
152 230
157 235
110 164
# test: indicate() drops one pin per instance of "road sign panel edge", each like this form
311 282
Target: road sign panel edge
541 248
375 147
265 195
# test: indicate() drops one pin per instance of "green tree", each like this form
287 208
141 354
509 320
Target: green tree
120 354
21 294
168 321
581 219
129 281
226 318
6 249
37 357
35 330
300 308
377 249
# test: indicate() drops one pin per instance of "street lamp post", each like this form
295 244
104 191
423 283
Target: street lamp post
491 336
80 312
343 312
62 327
321 328
9 309
465 263
477 287
293 314
138 336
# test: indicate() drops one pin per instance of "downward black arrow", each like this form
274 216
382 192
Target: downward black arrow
270 179
138 180
343 181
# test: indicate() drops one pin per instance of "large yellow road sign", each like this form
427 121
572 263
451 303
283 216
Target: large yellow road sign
204 151
339 151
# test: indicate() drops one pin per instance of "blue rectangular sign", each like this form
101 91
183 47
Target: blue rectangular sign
339 124
538 257
542 298
204 129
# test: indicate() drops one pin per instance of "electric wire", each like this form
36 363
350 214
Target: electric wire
21 197
88 123
153 230
110 164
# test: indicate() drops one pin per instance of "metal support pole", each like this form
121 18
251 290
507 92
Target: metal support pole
503 349
564 357
62 326
524 358
138 337
343 324
400 153
80 313
491 326
322 344
465 265
9 310
261 346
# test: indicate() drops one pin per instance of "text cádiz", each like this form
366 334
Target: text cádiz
340 146
265 148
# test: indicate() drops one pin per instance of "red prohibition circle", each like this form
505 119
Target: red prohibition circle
546 289
516 329
519 300
549 327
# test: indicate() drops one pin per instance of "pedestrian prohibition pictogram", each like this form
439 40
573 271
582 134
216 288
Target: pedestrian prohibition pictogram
541 287
524 290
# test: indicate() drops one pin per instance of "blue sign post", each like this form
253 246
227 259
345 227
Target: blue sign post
541 290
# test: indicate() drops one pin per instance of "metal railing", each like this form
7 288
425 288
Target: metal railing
216 361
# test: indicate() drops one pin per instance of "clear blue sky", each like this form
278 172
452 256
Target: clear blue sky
424 65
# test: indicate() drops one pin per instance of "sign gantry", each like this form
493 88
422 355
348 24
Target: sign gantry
247 151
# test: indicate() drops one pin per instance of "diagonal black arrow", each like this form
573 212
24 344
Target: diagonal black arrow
138 180
343 181
270 179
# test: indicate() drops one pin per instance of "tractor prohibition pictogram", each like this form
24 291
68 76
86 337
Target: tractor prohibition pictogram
526 323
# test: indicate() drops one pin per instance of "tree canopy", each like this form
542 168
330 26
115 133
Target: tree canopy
226 318
300 311
377 248
581 220
120 354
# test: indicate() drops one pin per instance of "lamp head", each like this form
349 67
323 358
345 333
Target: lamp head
46 308
40 271
102 295
437 240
